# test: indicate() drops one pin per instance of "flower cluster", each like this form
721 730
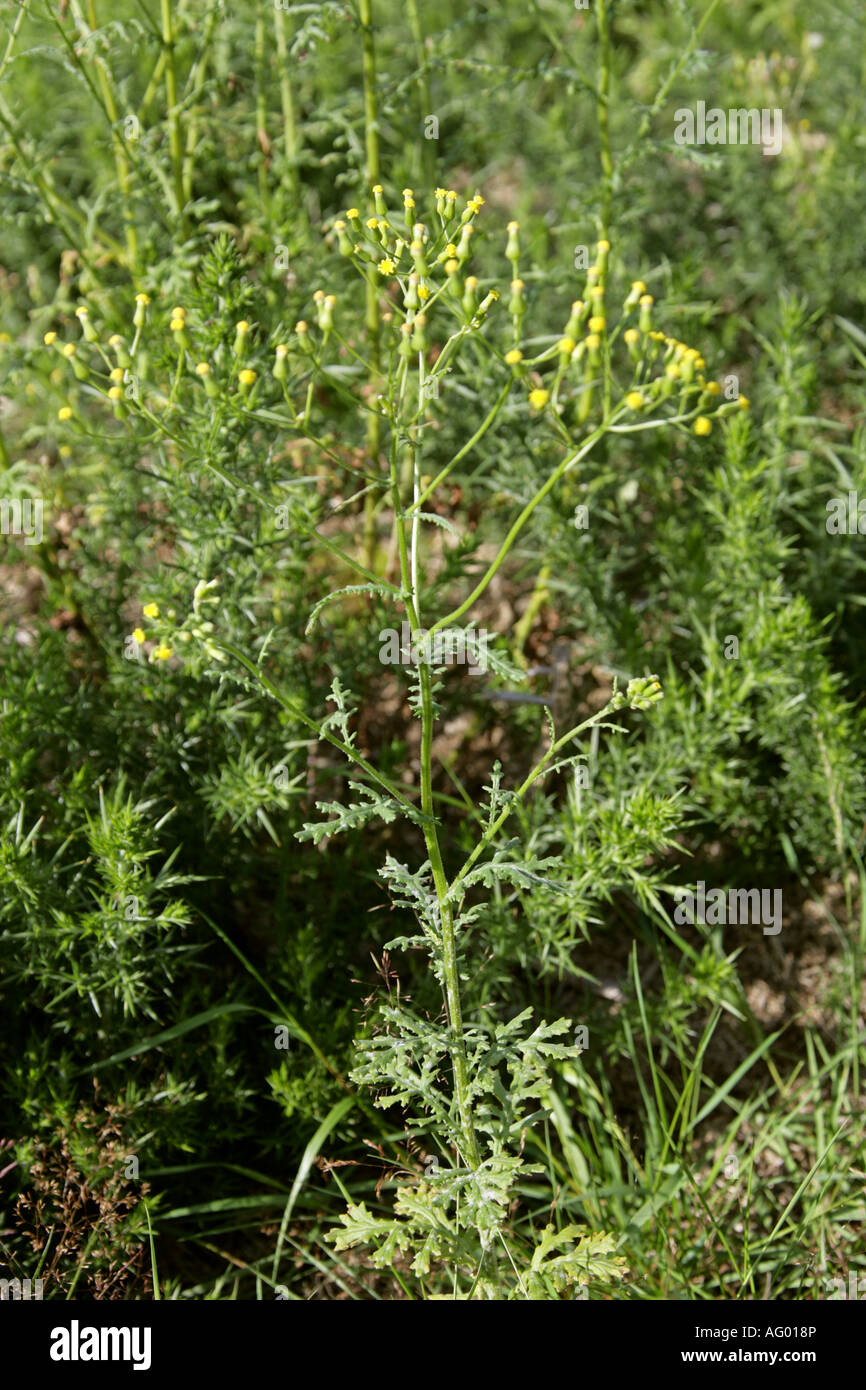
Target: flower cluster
167 635
661 366
420 262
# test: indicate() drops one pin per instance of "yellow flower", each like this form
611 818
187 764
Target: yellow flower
82 311
301 327
68 350
386 267
377 188
178 312
703 425
116 374
603 247
672 370
247 376
743 402
713 388
646 301
593 342
151 610
202 369
162 652
638 287
49 338
281 350
452 267
566 345
631 336
242 327
142 299
538 398
513 357
65 412
138 635
115 393
596 292
597 323
634 400
177 325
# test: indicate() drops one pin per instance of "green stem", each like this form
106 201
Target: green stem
539 597
175 130
450 967
120 161
568 462
490 834
427 163
371 308
261 107
603 116
287 100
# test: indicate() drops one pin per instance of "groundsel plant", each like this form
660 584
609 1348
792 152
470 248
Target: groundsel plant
470 1085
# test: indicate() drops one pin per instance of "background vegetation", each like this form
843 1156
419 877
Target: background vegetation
163 913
